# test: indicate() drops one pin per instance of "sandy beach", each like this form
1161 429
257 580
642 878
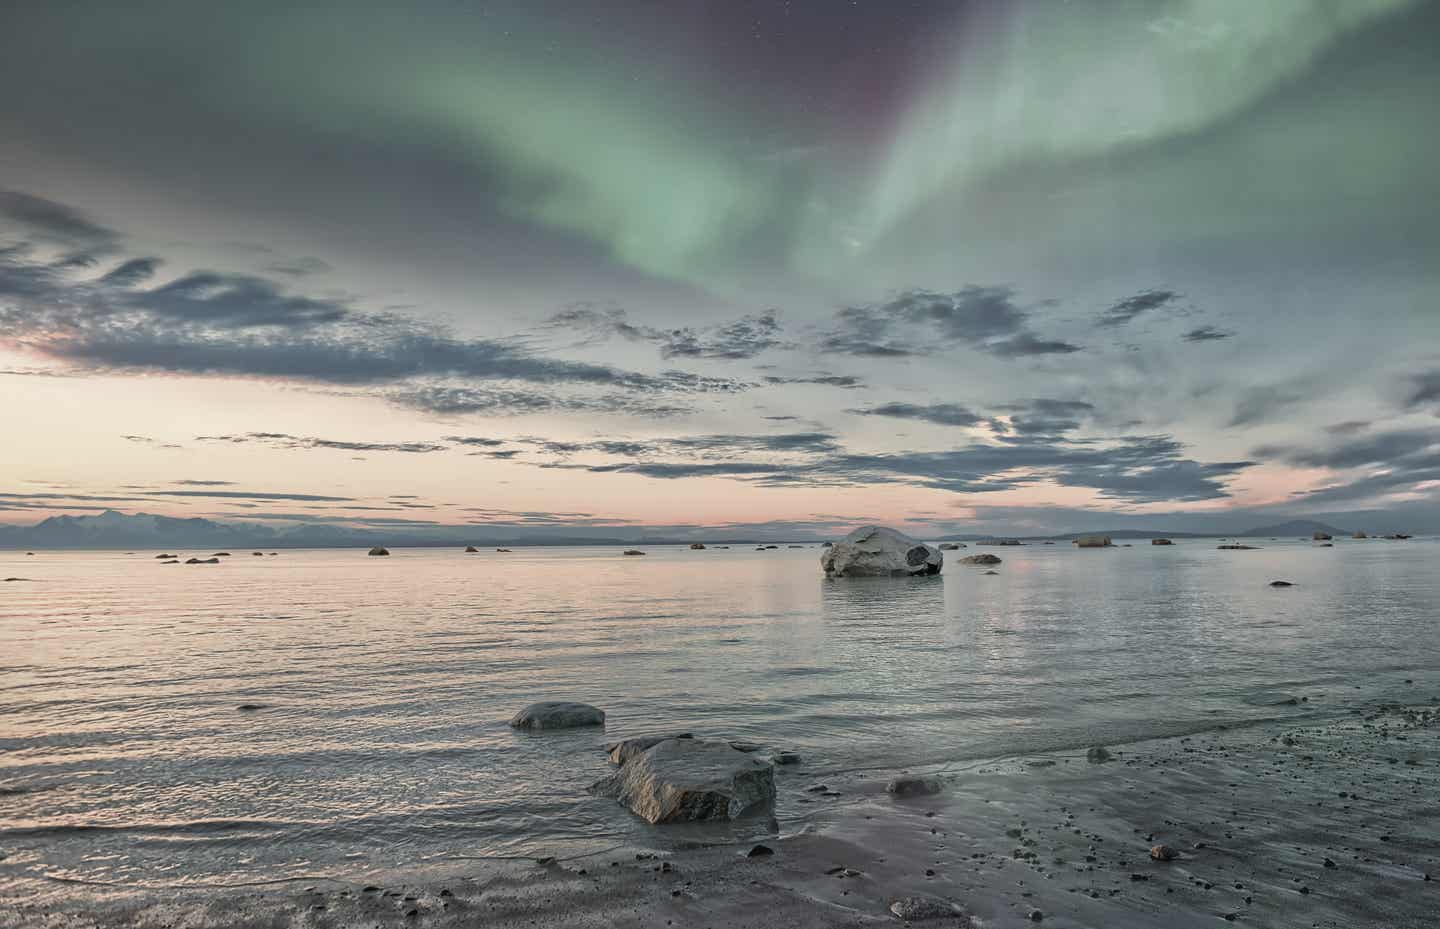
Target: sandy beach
1321 822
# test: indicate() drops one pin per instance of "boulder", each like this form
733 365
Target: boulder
471 550
697 546
1093 541
258 554
221 555
377 551
164 556
924 909
558 714
874 551
1161 542
914 787
622 751
985 558
690 780
633 551
1281 584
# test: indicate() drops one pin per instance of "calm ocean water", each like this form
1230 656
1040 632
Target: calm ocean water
388 683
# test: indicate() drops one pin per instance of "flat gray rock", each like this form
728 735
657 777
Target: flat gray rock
558 714
983 558
690 780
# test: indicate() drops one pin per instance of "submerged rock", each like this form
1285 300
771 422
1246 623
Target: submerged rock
690 780
558 714
377 551
914 786
1098 755
1281 584
874 551
622 751
920 909
985 558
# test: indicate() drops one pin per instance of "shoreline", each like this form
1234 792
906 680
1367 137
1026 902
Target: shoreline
1255 812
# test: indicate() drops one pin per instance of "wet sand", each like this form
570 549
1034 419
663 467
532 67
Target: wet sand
1317 824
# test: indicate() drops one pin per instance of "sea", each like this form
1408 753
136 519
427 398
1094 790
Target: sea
381 688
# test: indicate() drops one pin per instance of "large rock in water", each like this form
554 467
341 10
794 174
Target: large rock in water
983 558
690 780
874 551
558 714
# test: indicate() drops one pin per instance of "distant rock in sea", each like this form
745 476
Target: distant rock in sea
558 714
874 551
690 780
951 546
1281 584
471 550
633 551
378 551
1161 542
1360 534
1321 536
164 556
1094 541
202 561
221 555
1234 547
697 546
258 554
982 559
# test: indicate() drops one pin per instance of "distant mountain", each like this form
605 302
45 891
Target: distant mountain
112 529
1295 528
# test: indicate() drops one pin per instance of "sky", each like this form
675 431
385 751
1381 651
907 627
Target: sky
1013 265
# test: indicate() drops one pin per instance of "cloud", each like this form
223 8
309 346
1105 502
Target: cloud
1385 449
243 325
744 338
1207 334
146 440
1424 389
443 400
1262 404
303 266
920 322
1140 469
52 220
1127 309
844 381
284 440
244 495
132 272
941 414
1045 417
